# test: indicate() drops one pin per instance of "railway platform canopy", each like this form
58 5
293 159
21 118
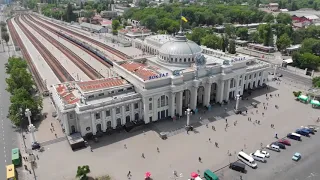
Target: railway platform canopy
93 28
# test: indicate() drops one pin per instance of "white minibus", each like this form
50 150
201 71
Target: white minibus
247 159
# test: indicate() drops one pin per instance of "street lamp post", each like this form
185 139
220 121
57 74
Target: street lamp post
31 127
237 102
275 71
188 113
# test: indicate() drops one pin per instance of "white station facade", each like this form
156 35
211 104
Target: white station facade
178 74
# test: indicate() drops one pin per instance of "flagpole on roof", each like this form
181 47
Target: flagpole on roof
180 19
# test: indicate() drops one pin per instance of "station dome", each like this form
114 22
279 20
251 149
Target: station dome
180 50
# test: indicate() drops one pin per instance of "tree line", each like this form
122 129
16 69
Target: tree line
167 17
22 89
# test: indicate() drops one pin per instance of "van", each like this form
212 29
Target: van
273 147
303 132
209 175
258 157
294 136
237 166
245 158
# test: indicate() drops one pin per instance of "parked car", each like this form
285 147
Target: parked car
273 147
263 152
312 128
279 74
35 145
311 131
237 166
296 156
281 146
303 132
285 142
294 136
258 157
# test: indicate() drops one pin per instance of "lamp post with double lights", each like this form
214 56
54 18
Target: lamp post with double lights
188 113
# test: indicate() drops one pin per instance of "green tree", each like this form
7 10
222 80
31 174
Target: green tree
212 41
4 29
69 15
255 37
243 33
82 172
284 18
197 34
269 18
283 42
232 47
15 63
115 26
230 30
89 13
5 37
81 5
151 22
316 82
265 33
225 42
258 2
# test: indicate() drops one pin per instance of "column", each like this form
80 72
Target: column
140 110
132 111
94 128
172 104
220 92
179 103
194 97
207 92
242 84
104 124
146 110
227 89
66 124
123 118
113 118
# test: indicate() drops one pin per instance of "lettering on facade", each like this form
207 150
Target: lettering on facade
238 59
158 76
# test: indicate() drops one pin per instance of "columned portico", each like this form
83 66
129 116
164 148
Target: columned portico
145 110
172 104
179 103
207 92
226 90
104 125
220 92
93 122
194 95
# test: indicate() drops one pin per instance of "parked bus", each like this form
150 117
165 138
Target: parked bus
11 172
16 156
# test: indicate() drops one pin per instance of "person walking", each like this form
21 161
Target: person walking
276 136
199 159
209 139
142 155
158 149
125 146
129 174
226 120
213 128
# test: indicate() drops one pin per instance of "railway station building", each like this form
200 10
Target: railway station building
179 75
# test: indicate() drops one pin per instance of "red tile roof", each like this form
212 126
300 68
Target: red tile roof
139 69
101 84
67 96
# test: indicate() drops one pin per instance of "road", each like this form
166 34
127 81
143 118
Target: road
7 132
291 76
280 165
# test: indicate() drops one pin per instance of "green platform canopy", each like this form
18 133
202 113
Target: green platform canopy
303 97
315 102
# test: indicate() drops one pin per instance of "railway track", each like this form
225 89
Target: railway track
80 63
61 73
75 44
32 68
100 44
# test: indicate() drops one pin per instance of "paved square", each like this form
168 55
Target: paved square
180 152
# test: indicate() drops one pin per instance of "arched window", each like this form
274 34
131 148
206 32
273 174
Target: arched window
150 106
158 103
118 122
167 101
109 125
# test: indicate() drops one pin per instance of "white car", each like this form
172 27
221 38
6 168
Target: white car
263 152
273 147
258 157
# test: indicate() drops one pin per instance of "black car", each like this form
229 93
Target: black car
237 166
35 145
281 146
